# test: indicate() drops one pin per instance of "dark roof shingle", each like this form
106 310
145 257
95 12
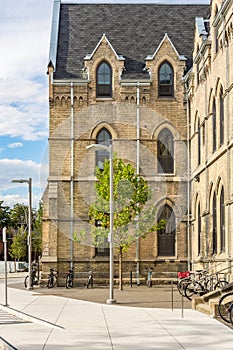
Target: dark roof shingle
134 31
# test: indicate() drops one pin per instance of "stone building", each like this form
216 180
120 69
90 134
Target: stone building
117 75
210 96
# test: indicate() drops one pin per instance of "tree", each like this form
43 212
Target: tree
19 216
4 215
18 248
130 192
37 233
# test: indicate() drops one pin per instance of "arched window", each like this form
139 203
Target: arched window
199 143
166 78
104 80
214 222
104 138
199 229
221 102
166 236
222 222
214 126
165 151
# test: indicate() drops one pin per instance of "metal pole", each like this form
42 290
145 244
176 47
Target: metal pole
172 296
111 299
30 235
138 171
5 260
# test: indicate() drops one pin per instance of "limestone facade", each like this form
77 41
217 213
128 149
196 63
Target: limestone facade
136 115
210 96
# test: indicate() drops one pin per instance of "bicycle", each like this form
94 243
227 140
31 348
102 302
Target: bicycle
34 279
52 279
204 284
225 307
183 278
70 278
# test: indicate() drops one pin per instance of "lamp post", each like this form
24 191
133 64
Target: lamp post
29 182
109 149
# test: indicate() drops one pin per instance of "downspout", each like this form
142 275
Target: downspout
71 171
137 172
188 180
229 219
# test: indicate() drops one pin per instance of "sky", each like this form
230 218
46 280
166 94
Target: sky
25 28
25 35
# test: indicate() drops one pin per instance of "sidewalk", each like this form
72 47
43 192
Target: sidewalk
54 322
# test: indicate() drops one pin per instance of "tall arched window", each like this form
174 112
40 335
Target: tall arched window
166 80
199 229
199 143
104 138
214 126
214 222
166 236
222 223
104 80
165 151
221 102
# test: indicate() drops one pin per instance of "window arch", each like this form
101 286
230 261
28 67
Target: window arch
222 222
221 104
104 80
214 133
104 138
198 142
166 79
214 223
166 236
165 151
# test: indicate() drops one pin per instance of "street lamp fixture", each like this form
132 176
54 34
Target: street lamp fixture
109 149
29 182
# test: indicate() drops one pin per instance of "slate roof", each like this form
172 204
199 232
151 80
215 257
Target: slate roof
134 30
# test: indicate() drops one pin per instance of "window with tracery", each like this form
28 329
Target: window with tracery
166 80
104 80
104 138
165 151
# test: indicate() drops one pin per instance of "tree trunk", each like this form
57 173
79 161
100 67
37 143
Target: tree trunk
120 270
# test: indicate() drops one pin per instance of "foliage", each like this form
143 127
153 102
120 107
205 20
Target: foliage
4 215
16 221
19 216
131 217
18 248
37 233
130 193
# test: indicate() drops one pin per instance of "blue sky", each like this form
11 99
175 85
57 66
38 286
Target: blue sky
25 37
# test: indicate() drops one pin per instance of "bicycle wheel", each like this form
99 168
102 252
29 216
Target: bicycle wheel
193 288
67 281
181 286
231 313
51 281
26 281
220 284
224 305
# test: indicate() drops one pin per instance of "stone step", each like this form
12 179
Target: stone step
210 308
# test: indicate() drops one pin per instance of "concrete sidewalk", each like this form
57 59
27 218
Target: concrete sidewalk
48 322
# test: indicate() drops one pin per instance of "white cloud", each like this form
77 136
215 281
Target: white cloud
19 169
15 145
23 62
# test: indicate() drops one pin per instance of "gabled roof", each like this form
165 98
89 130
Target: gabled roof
89 57
134 31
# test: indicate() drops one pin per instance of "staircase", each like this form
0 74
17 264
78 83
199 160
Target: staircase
208 303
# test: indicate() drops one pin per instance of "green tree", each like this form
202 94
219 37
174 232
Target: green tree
18 248
4 215
37 233
130 192
19 216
